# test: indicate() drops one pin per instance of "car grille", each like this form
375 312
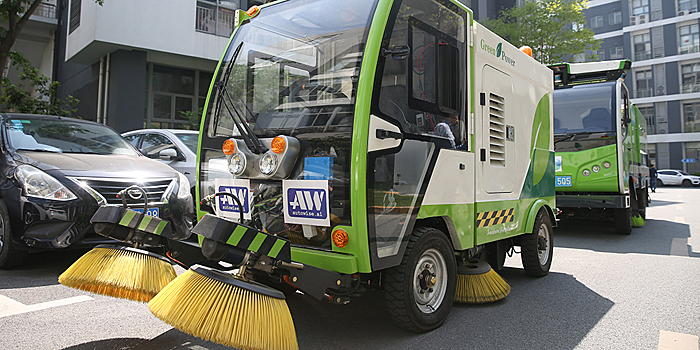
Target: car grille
108 188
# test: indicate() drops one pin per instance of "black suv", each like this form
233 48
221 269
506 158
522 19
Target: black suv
58 171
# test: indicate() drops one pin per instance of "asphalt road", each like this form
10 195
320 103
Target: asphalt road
605 291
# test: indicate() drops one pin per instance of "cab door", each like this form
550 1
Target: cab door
417 109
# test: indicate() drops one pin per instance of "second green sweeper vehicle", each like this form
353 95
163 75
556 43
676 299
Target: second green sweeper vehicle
600 143
393 144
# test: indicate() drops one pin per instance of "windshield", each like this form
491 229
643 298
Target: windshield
65 136
293 70
584 108
189 139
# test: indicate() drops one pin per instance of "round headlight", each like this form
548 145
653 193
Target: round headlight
268 164
596 168
237 164
606 165
586 172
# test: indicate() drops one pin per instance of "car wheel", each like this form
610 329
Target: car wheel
537 247
9 256
623 220
420 291
687 183
659 182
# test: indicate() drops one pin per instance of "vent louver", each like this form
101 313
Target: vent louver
497 131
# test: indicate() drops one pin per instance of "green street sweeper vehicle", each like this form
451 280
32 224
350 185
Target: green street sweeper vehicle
600 143
392 144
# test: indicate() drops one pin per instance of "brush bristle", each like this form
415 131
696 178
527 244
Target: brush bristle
119 273
638 221
482 288
225 314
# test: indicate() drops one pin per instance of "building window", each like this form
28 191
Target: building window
687 6
74 20
691 117
615 18
601 55
690 74
596 22
689 39
648 113
692 151
174 91
640 7
642 47
645 84
617 52
216 16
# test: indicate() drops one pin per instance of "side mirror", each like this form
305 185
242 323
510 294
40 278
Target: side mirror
169 154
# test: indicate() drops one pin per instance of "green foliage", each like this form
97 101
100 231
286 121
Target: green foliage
18 97
193 117
554 29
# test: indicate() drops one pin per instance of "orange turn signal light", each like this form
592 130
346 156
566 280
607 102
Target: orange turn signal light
340 238
229 147
278 144
253 11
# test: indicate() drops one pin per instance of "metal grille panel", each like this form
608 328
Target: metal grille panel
108 188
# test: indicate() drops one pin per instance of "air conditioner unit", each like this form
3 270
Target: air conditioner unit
642 19
682 13
633 20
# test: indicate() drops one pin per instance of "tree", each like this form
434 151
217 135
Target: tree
18 98
14 14
554 29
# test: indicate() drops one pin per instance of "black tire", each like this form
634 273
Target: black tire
659 183
537 248
623 221
9 256
687 183
643 202
408 307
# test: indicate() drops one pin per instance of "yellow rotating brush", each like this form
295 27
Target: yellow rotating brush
226 309
478 283
120 272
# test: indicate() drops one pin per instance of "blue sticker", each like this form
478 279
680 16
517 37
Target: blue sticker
228 204
318 168
307 203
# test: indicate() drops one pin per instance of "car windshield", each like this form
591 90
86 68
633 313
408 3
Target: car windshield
584 109
189 139
683 172
64 136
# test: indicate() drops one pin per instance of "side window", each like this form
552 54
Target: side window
152 144
422 70
625 110
133 139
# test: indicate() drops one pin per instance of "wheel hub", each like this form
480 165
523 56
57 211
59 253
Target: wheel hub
430 281
543 244
427 280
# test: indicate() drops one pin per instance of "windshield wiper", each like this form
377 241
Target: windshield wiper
569 136
38 150
249 137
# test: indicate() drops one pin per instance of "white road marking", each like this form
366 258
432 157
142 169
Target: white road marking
9 307
679 247
679 219
679 207
677 341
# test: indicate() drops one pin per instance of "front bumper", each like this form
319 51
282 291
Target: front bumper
593 201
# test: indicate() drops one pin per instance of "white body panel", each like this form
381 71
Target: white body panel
441 188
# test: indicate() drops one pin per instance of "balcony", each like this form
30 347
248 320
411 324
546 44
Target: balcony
45 10
641 93
690 88
651 129
209 22
643 55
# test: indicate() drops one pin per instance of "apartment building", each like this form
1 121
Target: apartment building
138 63
662 39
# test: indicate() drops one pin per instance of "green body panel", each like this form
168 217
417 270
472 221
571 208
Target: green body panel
548 202
343 263
573 164
462 216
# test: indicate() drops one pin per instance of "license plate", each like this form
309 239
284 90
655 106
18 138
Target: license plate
154 212
563 181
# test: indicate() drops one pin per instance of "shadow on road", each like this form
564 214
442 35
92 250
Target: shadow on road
554 312
41 269
655 237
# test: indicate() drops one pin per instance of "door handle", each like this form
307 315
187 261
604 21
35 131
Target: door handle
386 134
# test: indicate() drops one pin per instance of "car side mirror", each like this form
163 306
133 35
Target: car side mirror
169 154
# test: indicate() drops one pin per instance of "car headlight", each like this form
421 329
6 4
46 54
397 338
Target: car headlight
237 164
268 164
184 189
39 184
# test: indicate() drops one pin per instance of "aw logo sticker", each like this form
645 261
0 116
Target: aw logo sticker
498 52
306 202
225 205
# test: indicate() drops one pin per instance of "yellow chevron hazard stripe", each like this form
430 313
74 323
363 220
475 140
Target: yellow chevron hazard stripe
488 218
